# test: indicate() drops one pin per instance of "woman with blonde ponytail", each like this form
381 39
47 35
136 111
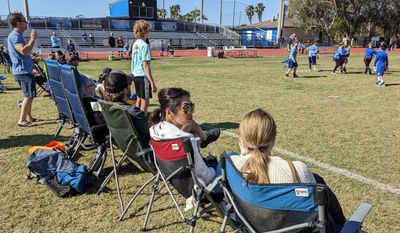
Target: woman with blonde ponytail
257 165
257 138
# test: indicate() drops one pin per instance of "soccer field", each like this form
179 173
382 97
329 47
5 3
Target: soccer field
352 141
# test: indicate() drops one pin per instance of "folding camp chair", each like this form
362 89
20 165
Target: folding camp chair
123 133
40 79
96 133
59 96
174 163
279 207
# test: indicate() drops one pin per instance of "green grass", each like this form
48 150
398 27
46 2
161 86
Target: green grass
359 131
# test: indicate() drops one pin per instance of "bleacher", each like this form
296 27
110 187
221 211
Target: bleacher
176 39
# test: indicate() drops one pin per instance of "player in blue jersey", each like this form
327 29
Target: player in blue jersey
369 55
312 55
381 64
346 55
339 58
292 60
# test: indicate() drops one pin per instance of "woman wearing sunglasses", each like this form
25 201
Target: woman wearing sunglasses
174 119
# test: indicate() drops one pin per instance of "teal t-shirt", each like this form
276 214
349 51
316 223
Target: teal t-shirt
140 54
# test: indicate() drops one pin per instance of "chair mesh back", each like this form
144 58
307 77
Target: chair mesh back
69 79
121 127
57 88
271 206
171 156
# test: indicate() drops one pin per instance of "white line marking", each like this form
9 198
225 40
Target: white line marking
337 170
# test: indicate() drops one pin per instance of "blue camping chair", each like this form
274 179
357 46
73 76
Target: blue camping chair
280 207
97 134
59 96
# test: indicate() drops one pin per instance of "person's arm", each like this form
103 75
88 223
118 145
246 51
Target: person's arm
146 66
26 49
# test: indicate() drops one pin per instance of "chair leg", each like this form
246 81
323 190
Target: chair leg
134 197
59 128
224 222
155 189
195 215
105 182
121 202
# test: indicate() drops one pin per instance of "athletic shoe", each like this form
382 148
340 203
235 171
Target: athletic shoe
295 76
212 136
286 75
309 70
334 73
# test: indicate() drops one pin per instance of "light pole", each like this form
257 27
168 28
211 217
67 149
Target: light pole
280 21
220 13
9 9
201 10
26 9
233 20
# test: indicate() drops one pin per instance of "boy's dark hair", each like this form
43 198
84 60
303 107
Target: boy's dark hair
383 45
16 17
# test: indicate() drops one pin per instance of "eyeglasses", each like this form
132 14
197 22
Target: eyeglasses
188 107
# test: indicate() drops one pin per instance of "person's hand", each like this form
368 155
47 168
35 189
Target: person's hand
375 68
33 34
153 87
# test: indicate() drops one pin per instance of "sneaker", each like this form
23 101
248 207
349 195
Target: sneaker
377 82
295 76
286 75
212 136
334 73
309 70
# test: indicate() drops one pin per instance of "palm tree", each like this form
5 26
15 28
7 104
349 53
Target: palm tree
162 13
175 11
250 12
259 10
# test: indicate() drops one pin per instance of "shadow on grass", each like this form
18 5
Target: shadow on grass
392 84
313 76
221 125
354 72
28 140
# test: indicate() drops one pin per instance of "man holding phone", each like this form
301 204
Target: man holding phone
22 66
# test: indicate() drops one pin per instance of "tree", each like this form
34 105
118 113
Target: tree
315 15
259 10
250 13
162 13
175 11
192 16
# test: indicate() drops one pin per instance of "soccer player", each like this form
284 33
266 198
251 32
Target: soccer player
292 61
381 64
312 55
346 55
369 55
338 58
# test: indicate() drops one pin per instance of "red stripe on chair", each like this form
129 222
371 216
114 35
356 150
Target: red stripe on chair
168 150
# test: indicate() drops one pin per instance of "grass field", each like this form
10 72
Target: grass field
359 131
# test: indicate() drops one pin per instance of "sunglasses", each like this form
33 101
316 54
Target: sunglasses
188 107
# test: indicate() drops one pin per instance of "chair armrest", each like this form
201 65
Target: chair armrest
355 221
213 184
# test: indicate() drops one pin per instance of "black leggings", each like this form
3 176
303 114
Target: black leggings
334 208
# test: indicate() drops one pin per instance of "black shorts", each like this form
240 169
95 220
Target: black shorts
142 87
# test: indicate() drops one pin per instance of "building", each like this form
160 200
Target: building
264 34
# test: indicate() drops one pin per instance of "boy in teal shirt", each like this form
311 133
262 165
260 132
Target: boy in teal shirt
140 67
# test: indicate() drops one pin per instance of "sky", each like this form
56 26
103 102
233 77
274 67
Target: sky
99 8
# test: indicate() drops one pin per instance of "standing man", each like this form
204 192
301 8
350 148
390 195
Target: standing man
55 41
111 40
22 66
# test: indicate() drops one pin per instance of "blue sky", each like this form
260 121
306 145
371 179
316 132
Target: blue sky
99 8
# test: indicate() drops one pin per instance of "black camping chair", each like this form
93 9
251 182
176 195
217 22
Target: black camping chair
40 79
279 207
175 165
123 134
97 133
59 96
6 61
